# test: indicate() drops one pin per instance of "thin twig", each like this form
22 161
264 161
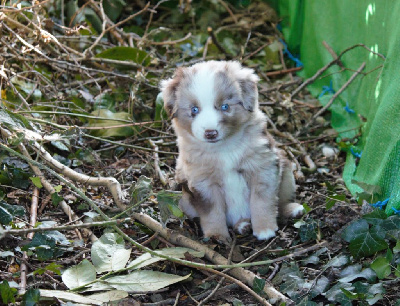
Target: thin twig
32 222
345 85
330 64
21 232
156 159
216 42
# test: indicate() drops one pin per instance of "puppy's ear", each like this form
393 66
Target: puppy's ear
168 89
248 85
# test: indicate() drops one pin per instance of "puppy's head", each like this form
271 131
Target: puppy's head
211 100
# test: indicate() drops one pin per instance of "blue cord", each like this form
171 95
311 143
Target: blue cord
356 154
348 109
396 211
327 89
290 55
381 204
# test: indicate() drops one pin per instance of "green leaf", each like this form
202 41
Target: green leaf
53 267
306 208
349 294
31 297
332 199
337 296
45 245
8 212
56 199
353 272
113 8
355 229
143 281
397 271
126 54
367 244
168 204
396 248
112 119
141 190
376 217
7 293
258 285
160 113
79 275
308 231
36 181
337 261
381 266
57 188
109 253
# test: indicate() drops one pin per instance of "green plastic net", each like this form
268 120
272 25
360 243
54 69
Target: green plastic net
371 104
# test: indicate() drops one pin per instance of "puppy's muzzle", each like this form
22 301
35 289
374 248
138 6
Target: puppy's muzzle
211 134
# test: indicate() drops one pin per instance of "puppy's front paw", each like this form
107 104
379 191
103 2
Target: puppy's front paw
297 210
243 227
223 238
265 234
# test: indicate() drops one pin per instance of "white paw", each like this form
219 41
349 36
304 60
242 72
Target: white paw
265 234
297 211
243 227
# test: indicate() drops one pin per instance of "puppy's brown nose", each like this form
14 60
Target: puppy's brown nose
211 134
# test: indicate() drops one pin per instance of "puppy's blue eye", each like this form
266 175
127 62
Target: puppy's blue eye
224 107
195 110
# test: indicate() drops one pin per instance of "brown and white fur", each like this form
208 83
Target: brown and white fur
232 173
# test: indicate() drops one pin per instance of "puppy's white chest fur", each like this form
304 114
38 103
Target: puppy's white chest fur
235 186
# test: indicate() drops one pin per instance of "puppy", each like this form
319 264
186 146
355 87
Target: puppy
232 173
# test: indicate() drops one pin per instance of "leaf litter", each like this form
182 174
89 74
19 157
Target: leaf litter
92 104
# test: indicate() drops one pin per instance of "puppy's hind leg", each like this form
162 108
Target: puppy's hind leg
287 193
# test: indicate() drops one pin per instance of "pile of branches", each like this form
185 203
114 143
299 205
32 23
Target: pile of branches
68 84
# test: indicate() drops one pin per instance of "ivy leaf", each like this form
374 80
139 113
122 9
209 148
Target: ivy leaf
7 293
337 296
44 245
381 266
31 297
8 212
355 229
353 272
258 285
168 203
332 199
56 199
367 244
36 181
141 190
308 231
376 217
53 267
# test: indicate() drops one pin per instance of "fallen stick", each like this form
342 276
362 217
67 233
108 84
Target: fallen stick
111 183
244 275
32 222
21 232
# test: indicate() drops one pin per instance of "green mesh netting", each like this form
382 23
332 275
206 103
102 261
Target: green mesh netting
375 96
